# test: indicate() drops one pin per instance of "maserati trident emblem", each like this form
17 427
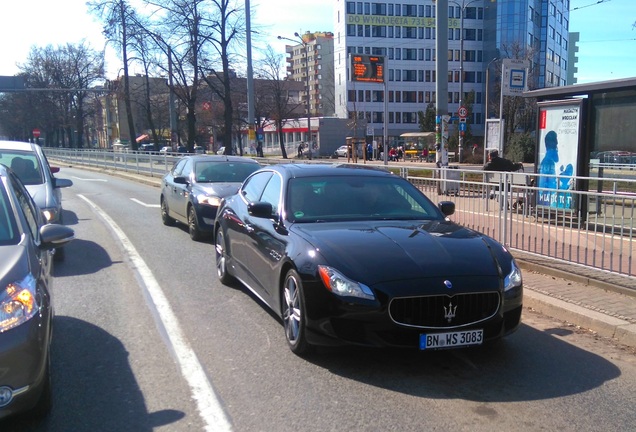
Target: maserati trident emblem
449 312
448 284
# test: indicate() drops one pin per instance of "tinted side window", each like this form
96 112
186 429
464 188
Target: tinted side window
8 229
272 193
28 207
187 168
253 187
176 171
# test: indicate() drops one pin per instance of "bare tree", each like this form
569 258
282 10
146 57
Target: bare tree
189 24
282 105
117 17
72 67
227 26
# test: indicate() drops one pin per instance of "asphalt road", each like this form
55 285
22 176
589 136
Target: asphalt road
147 339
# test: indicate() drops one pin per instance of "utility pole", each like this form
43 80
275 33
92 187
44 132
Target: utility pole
307 84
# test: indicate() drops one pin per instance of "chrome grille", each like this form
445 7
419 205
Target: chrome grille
444 311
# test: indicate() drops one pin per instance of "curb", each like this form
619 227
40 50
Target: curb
618 330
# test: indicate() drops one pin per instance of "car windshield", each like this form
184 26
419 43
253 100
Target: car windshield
24 164
222 171
357 198
8 229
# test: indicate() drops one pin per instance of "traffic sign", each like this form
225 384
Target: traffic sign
36 133
463 112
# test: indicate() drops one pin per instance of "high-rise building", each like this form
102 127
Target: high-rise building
314 55
479 31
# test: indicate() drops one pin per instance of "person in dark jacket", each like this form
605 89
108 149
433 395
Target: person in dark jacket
500 164
497 163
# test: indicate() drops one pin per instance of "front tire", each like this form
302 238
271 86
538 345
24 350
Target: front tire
221 259
293 314
193 225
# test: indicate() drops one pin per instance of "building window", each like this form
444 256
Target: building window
410 54
409 33
409 97
378 8
378 31
409 75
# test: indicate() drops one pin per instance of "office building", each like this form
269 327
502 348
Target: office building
404 33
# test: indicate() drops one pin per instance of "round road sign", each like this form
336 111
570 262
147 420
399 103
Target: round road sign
36 133
462 112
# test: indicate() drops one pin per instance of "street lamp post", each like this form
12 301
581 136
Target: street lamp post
488 84
461 69
307 83
461 64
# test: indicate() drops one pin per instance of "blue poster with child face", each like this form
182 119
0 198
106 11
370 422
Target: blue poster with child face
558 154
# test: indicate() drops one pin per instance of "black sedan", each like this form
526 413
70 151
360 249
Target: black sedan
352 255
26 253
192 190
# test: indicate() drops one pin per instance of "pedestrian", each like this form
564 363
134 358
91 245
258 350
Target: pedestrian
500 164
300 149
497 163
424 157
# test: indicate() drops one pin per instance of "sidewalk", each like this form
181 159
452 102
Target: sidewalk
592 299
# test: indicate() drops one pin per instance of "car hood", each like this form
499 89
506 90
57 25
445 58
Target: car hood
13 263
219 189
380 251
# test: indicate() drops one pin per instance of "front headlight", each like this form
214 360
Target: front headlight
18 303
513 280
50 214
338 284
212 201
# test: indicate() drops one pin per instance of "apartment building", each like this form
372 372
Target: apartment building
404 33
313 56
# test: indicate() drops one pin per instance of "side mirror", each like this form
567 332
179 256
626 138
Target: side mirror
54 235
180 180
260 209
62 182
447 207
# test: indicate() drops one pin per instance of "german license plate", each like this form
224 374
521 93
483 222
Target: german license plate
451 340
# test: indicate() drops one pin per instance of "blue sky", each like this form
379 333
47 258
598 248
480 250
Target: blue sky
607 48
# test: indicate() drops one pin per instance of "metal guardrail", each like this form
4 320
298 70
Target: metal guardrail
601 233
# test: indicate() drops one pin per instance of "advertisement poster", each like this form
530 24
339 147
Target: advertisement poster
558 154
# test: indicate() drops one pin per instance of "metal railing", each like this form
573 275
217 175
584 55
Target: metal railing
600 232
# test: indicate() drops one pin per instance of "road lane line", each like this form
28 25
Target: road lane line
144 204
89 179
201 389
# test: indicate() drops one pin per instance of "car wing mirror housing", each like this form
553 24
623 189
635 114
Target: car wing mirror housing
62 182
260 209
54 235
447 207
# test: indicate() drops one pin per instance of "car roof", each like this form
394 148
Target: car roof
336 169
221 158
16 145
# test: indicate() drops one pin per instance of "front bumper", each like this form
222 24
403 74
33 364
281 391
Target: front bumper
369 323
24 354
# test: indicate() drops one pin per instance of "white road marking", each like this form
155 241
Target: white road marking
144 204
89 179
207 401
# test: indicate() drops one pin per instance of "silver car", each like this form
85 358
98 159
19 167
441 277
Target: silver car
28 161
26 241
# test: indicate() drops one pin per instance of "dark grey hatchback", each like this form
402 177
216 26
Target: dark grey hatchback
26 253
192 190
